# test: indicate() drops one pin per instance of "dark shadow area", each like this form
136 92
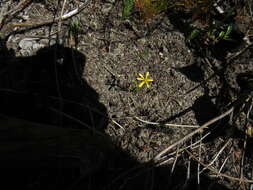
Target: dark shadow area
51 131
47 115
147 177
193 72
40 87
207 108
204 109
207 41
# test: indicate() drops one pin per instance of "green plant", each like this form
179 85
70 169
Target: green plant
213 34
127 8
217 32
75 29
194 34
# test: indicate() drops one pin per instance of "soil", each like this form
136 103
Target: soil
88 82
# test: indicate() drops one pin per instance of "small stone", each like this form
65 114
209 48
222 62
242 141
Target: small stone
26 43
37 46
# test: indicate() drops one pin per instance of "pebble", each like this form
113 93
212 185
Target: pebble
26 43
29 46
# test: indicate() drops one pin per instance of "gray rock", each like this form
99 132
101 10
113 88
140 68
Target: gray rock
26 43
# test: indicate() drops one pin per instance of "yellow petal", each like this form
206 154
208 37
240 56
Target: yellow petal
149 80
141 84
140 78
148 85
141 75
147 74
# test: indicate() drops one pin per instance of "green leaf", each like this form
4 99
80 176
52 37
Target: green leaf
195 33
228 32
221 35
128 6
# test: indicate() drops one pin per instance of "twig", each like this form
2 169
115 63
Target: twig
249 110
18 8
217 155
225 161
166 124
188 169
235 104
72 13
164 161
188 174
242 161
198 171
116 123
11 13
112 73
198 130
191 145
218 8
61 16
174 163
216 172
179 151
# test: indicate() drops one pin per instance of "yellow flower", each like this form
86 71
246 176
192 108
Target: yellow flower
145 80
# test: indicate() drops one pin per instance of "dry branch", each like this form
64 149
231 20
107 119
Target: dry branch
198 130
166 124
9 27
217 173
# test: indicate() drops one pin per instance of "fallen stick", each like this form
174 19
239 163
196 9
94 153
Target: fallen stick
198 130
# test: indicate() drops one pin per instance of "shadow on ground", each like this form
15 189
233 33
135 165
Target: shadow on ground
51 131
40 87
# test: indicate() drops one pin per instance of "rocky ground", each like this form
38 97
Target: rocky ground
92 75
